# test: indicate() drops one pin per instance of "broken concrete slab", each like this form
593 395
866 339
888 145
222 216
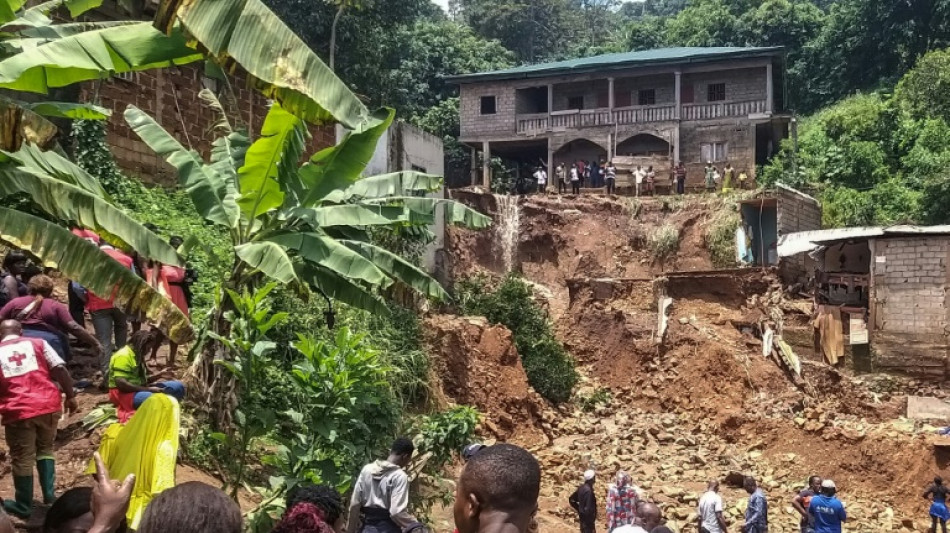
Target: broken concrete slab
927 408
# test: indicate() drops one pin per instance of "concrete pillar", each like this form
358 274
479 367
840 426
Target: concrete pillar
678 89
550 168
769 90
550 98
676 143
473 173
610 147
486 168
610 94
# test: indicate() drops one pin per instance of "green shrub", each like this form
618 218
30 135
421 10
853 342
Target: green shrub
550 369
664 242
444 434
589 402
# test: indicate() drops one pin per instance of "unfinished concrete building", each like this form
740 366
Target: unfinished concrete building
674 104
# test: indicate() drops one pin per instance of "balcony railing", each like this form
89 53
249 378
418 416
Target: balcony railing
540 123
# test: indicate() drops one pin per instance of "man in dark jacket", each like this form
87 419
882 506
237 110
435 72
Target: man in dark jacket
585 502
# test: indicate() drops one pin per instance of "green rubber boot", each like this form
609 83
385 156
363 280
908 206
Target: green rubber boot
47 471
22 506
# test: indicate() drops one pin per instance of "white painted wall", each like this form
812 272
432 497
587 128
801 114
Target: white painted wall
406 147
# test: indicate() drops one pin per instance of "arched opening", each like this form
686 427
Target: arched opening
579 150
644 145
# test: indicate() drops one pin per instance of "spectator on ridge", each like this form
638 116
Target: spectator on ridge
44 318
498 491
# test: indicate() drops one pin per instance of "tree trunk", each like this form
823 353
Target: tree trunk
336 19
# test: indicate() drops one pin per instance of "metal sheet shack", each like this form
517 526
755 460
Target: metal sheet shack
889 286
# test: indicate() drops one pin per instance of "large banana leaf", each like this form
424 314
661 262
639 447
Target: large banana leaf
342 289
82 261
69 110
70 203
269 258
282 66
18 125
213 194
8 9
330 254
350 215
455 212
52 165
86 56
400 269
393 184
340 166
260 188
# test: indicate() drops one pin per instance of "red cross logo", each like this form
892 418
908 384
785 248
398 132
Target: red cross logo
17 358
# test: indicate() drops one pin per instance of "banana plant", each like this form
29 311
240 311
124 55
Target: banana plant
306 224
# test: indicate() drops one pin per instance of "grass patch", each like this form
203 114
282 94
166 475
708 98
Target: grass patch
721 236
664 242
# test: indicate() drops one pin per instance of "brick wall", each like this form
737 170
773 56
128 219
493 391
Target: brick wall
170 96
911 284
739 135
796 212
741 84
502 123
626 89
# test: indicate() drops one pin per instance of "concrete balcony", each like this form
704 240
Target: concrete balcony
540 123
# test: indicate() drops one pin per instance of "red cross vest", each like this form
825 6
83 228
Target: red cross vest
26 389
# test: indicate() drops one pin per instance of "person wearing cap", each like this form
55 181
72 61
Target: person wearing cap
585 502
938 509
826 510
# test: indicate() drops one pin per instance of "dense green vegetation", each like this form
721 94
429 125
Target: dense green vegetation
549 367
878 158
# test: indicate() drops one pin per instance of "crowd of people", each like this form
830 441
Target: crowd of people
592 174
628 511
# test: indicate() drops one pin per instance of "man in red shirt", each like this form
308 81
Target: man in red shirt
107 319
30 407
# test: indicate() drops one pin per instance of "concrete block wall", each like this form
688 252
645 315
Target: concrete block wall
170 96
739 135
796 212
910 279
473 123
626 90
741 84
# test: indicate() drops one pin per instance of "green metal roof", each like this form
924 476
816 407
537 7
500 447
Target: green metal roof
622 60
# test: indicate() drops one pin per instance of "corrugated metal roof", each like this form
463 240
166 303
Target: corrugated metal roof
806 241
658 56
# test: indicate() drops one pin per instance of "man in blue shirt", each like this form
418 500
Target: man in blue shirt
827 510
757 512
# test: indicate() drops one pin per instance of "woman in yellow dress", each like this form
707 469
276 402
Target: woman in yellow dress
147 446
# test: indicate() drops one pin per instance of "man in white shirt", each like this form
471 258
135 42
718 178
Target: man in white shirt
542 178
638 175
710 510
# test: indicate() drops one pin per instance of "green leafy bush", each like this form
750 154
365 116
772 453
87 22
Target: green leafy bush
550 369
589 402
444 434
